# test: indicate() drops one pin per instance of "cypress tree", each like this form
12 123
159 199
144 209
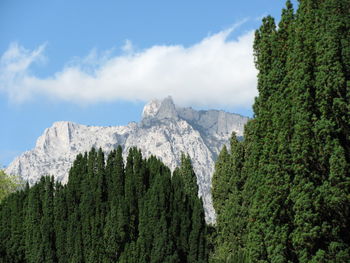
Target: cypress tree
60 223
47 230
88 219
319 221
296 149
131 194
194 228
12 214
221 179
232 216
33 239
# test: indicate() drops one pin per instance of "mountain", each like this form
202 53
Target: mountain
165 131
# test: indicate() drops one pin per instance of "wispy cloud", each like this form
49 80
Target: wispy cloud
14 70
217 71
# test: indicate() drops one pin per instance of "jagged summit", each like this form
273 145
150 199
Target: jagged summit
64 128
160 109
211 122
165 131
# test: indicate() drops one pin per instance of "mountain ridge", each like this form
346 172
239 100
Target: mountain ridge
165 131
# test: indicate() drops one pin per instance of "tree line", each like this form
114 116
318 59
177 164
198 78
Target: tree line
107 212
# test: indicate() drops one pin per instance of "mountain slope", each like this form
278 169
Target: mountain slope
165 131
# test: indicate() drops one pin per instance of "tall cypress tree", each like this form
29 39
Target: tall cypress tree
60 223
232 214
47 230
131 193
197 245
220 182
321 167
33 240
296 149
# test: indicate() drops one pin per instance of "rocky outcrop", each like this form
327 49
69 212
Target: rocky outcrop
165 131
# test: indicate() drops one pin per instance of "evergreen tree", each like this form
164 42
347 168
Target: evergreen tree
195 226
106 213
12 245
221 179
232 215
60 223
47 220
294 178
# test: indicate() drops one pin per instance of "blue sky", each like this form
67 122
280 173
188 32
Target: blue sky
99 62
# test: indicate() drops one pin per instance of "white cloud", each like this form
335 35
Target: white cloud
217 71
14 70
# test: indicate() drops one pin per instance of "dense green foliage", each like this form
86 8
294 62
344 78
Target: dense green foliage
283 195
8 184
107 212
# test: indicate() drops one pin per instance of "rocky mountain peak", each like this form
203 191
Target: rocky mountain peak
160 110
165 131
58 135
151 109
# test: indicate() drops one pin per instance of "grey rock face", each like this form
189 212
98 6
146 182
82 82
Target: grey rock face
165 131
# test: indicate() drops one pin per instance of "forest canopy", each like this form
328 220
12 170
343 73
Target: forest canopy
107 212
